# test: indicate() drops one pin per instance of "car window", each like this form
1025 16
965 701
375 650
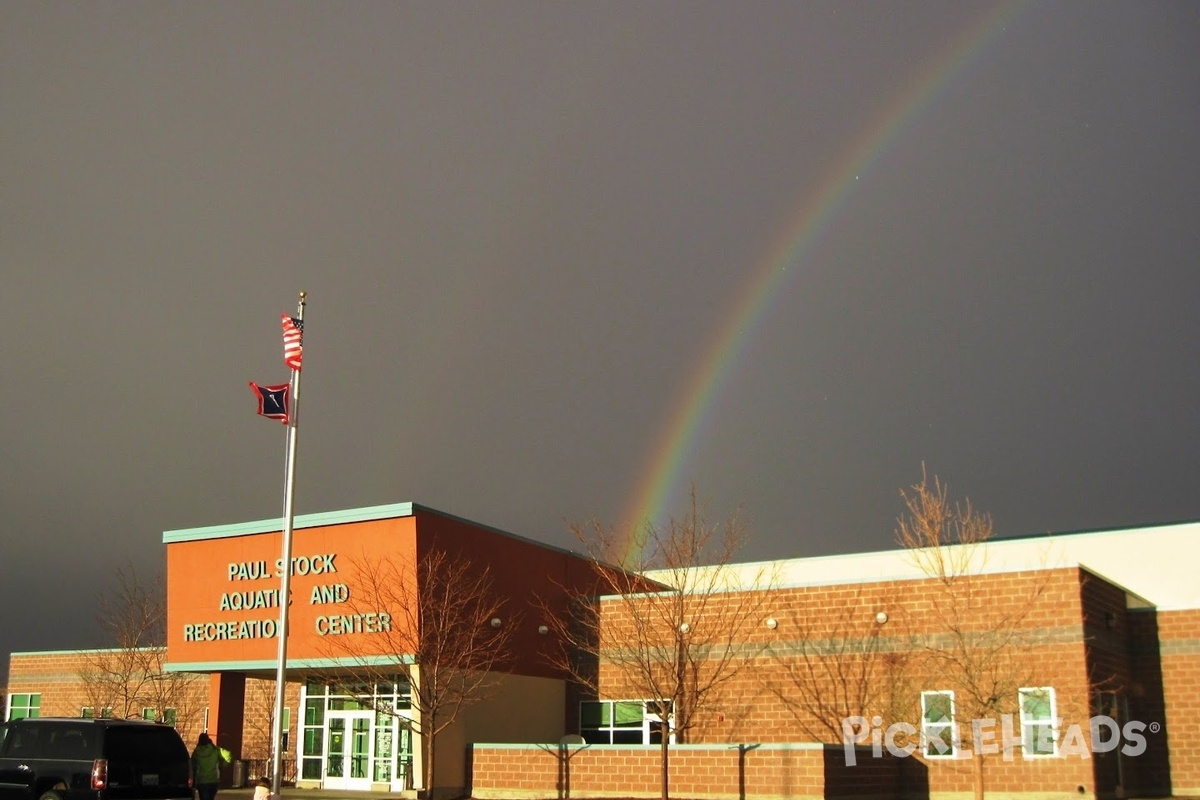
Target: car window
144 744
24 741
68 741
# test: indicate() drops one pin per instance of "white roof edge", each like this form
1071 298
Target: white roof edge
1155 564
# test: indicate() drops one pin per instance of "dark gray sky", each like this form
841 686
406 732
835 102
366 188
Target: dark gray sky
522 226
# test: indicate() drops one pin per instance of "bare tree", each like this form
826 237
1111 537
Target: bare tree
977 645
439 637
129 676
675 642
259 722
838 664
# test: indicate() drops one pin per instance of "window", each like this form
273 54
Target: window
1038 734
67 743
284 727
392 757
619 722
937 724
171 716
24 742
313 735
383 762
149 714
87 712
106 712
21 706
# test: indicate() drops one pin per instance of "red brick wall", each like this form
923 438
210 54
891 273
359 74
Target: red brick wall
56 677
53 674
696 772
1179 646
1052 644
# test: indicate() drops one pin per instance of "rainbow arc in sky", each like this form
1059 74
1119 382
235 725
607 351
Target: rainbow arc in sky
662 482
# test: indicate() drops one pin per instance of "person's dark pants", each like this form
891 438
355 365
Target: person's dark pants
207 791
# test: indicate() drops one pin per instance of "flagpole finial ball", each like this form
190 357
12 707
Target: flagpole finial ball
303 295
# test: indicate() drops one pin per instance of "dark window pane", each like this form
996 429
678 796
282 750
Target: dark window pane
593 714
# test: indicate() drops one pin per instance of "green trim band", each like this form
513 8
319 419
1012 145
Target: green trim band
370 513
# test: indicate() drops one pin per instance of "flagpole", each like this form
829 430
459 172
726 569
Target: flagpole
289 484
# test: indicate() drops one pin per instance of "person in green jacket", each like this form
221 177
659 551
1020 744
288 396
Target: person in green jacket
207 759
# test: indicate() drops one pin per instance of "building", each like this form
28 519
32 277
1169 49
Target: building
1109 622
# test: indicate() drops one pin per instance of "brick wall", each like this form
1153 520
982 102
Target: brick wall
1179 648
896 660
57 677
60 678
697 772
1075 635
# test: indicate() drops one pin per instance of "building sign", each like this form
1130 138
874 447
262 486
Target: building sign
324 564
224 593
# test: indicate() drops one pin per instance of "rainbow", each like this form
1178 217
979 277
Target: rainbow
660 482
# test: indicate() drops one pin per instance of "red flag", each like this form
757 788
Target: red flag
293 344
272 401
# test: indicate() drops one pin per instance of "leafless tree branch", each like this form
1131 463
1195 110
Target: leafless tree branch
676 617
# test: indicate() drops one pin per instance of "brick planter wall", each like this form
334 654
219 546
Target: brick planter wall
698 772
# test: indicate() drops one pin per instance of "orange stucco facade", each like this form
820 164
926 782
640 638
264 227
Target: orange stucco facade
223 586
223 593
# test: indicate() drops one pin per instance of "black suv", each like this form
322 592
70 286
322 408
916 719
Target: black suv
92 759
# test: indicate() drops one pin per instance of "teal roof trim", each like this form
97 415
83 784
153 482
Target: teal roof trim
369 513
393 511
84 651
714 747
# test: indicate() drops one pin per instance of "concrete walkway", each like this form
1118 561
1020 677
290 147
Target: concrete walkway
292 793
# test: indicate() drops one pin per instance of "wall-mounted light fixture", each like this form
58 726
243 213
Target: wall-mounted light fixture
881 617
771 623
684 627
543 629
495 622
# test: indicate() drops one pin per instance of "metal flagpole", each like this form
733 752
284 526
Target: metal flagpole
289 483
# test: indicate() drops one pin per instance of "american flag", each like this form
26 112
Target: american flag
293 346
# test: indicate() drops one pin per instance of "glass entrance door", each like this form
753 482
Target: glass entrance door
347 750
